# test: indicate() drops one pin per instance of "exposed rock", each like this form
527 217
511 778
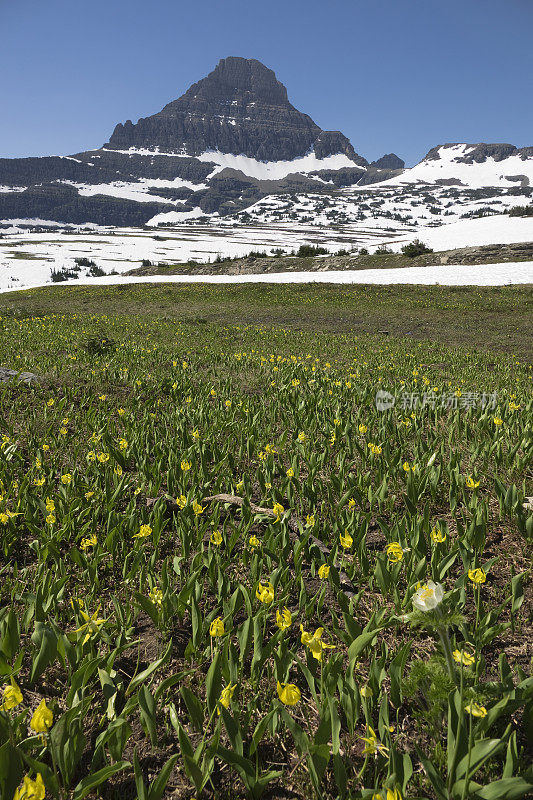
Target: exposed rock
389 161
62 203
239 108
12 376
373 175
480 152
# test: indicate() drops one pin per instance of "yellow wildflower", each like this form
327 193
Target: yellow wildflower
156 596
288 693
197 508
437 535
372 745
91 625
216 538
467 659
314 642
144 531
283 618
265 593
90 541
346 540
394 552
225 696
31 790
477 576
217 627
42 718
476 710
12 696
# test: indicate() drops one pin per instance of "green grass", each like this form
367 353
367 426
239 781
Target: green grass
476 318
153 399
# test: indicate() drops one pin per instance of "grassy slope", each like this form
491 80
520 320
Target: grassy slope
310 322
478 318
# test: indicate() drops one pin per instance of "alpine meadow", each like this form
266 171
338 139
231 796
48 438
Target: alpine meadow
266 441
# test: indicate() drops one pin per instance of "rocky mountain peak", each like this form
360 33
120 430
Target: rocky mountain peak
388 161
239 108
241 79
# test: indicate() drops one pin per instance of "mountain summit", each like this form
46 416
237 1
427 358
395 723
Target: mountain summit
239 108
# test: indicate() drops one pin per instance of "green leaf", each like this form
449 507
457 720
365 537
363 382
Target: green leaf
148 712
159 784
11 769
433 775
10 641
194 707
97 779
505 789
480 753
153 667
67 740
259 731
213 683
139 780
47 639
359 644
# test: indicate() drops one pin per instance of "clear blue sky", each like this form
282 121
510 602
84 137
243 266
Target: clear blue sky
393 75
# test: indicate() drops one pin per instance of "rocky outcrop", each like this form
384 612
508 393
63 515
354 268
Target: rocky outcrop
12 376
478 153
239 108
389 161
62 203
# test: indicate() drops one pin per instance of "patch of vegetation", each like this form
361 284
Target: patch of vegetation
63 274
521 211
416 248
226 572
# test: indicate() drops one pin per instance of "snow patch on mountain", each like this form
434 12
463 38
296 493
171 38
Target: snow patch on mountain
175 217
276 170
447 166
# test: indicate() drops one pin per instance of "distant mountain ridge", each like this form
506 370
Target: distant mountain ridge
232 139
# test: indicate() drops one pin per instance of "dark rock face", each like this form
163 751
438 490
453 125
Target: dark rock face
239 108
62 203
480 152
99 166
389 161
